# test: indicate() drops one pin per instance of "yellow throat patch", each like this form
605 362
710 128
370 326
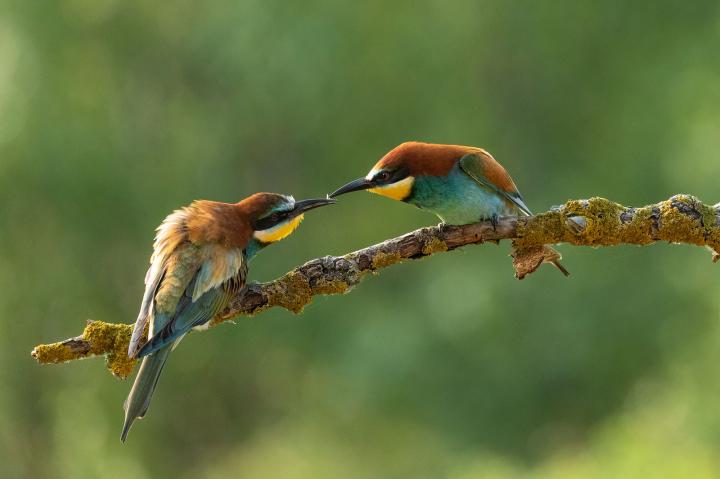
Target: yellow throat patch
396 191
278 232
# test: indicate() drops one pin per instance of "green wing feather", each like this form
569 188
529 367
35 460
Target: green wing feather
191 314
472 165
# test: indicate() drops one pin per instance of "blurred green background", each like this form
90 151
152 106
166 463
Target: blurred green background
114 113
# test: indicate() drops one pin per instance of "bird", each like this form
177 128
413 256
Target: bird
199 262
459 184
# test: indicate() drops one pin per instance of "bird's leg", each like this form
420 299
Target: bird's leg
494 221
443 227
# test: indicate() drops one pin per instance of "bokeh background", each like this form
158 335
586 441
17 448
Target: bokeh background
113 113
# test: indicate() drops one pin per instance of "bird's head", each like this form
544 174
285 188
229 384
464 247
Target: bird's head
396 173
273 216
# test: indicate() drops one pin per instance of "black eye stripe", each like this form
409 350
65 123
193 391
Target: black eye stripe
388 177
270 221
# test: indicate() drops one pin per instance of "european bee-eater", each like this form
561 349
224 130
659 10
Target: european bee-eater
460 184
199 262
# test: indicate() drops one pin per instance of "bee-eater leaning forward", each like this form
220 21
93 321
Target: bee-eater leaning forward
199 262
460 184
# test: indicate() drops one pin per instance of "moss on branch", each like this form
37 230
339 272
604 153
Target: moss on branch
98 338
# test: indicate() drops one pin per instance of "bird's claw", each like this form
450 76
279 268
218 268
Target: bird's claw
443 227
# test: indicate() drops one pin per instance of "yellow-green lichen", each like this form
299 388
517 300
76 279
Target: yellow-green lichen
709 217
331 287
120 364
111 340
640 229
103 336
98 338
707 213
602 221
292 292
541 229
677 227
434 245
57 353
382 259
596 222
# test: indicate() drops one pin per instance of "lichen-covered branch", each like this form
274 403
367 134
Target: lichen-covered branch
594 222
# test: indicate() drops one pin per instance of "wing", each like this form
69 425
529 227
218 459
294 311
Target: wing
191 314
170 235
214 282
483 168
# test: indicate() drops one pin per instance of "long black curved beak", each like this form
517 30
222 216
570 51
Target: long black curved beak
307 205
356 185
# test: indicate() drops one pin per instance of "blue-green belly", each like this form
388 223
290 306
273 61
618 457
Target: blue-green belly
457 199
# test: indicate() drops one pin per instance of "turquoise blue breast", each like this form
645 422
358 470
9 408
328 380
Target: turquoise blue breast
253 248
457 199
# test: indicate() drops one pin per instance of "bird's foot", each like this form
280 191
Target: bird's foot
443 227
494 221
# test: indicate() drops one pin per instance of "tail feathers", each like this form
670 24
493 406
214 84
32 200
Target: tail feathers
166 337
138 401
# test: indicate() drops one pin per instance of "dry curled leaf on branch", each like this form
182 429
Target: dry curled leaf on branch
594 222
527 259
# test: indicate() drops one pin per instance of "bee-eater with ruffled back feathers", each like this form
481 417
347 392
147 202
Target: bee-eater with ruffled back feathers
198 263
459 184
